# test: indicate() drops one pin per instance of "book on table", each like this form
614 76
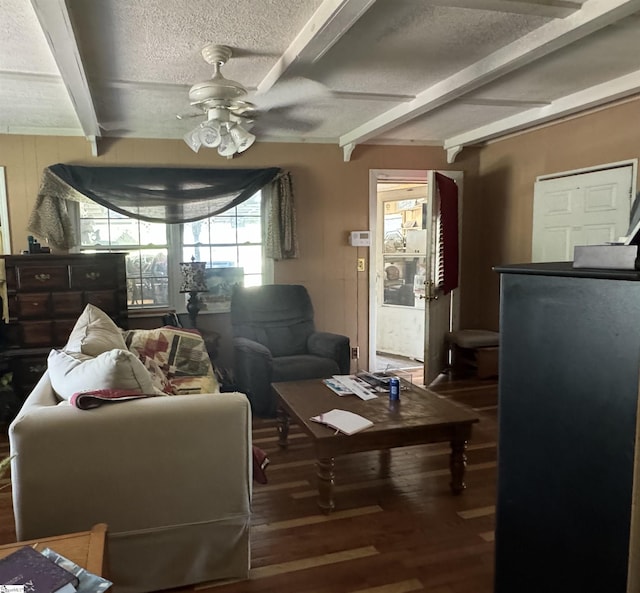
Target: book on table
343 421
36 572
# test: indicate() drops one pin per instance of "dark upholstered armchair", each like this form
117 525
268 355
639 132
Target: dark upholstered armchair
275 340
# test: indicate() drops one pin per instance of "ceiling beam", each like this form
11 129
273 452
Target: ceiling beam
486 102
56 26
594 15
594 96
545 8
329 23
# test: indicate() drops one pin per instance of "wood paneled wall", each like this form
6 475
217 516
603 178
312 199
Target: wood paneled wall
332 198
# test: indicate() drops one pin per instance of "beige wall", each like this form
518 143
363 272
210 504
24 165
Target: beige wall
507 173
332 198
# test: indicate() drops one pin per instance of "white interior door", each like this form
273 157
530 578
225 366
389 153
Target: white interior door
439 306
588 208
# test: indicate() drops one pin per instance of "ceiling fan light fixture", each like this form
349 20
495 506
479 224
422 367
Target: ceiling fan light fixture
242 138
229 116
227 145
209 134
192 139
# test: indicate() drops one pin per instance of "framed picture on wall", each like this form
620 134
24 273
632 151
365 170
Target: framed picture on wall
220 282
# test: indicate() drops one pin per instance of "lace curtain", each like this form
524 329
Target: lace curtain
164 194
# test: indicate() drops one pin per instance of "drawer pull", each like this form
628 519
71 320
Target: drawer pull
92 275
35 304
42 277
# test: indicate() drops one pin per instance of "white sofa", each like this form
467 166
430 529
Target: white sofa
170 475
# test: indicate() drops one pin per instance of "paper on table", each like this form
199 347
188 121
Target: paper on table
337 387
344 421
354 385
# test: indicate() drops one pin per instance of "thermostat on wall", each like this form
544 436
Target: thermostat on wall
360 238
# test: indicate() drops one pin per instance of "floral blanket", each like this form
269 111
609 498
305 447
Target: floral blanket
177 359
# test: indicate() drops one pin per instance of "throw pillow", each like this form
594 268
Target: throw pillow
115 369
181 354
94 333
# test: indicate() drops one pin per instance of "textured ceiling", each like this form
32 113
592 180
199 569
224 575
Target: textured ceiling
442 72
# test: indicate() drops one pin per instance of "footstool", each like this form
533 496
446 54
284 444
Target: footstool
477 348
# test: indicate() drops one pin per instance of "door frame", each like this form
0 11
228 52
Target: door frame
4 215
401 175
595 169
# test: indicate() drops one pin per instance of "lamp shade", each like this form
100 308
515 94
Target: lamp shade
227 146
209 134
242 138
193 277
193 140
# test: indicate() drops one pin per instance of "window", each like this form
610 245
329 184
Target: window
232 239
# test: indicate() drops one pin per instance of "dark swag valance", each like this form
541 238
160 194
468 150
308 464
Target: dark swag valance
163 194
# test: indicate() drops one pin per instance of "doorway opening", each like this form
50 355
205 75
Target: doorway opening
408 315
402 268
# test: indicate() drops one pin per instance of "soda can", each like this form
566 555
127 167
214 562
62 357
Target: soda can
394 389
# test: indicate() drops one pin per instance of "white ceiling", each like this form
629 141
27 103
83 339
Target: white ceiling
442 72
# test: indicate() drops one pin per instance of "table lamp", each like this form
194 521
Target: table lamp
193 283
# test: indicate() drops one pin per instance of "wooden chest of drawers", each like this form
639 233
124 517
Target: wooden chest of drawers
45 296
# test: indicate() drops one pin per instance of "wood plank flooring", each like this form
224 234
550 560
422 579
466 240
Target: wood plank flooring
396 528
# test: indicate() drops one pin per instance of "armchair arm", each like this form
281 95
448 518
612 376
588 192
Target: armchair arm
253 369
134 465
334 346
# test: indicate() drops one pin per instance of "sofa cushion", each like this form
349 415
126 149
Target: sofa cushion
72 372
94 333
181 354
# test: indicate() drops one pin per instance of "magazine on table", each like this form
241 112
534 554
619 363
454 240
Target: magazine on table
87 581
350 384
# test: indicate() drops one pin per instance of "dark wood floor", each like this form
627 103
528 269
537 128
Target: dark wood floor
396 529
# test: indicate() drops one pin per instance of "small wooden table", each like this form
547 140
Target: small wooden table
85 548
420 417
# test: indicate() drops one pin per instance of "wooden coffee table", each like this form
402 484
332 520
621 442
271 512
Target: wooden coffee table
419 417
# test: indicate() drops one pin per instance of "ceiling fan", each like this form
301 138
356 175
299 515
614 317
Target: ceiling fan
229 115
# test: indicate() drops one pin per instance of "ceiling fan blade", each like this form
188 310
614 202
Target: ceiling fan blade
114 128
279 120
109 126
290 92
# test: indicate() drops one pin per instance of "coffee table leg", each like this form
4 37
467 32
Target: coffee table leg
385 462
326 475
283 428
458 463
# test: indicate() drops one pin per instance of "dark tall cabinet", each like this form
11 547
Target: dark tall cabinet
569 368
46 294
